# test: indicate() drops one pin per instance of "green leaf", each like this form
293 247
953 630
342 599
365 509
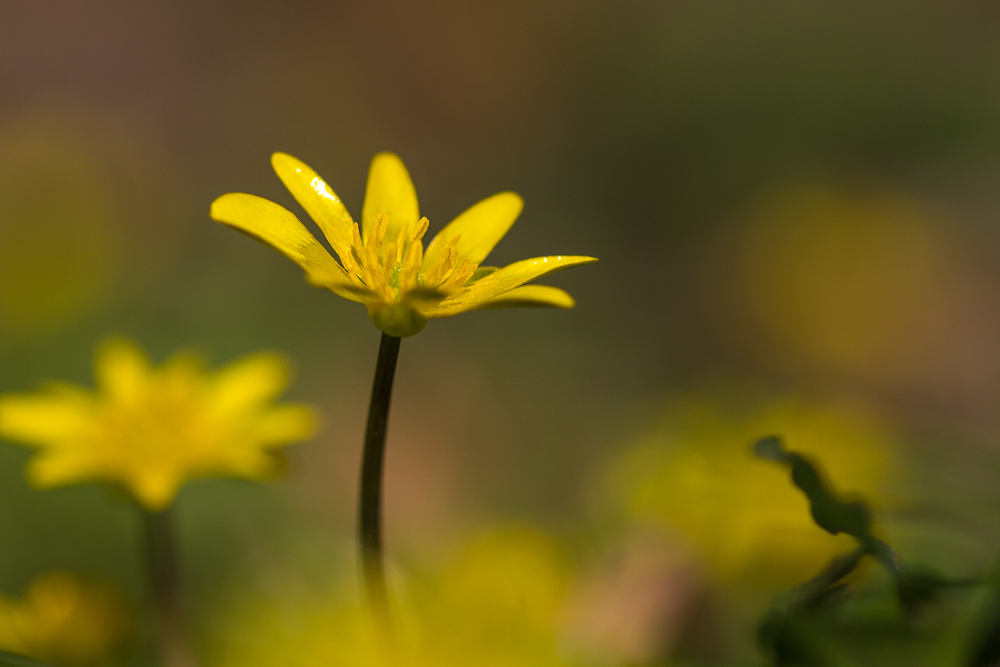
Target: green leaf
829 513
14 660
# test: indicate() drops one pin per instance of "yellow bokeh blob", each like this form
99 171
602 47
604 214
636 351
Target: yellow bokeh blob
695 475
841 279
65 620
494 602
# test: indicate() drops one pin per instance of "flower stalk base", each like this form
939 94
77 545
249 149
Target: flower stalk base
164 580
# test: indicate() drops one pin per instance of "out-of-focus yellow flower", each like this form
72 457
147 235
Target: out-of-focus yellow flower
696 475
64 619
383 263
844 280
151 429
497 603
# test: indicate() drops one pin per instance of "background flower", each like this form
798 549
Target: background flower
151 429
494 601
65 619
695 475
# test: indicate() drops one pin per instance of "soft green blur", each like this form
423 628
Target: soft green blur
795 207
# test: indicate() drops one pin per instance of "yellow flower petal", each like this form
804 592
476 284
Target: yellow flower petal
155 489
39 419
531 295
502 281
120 368
317 198
250 381
481 272
279 228
480 227
390 191
287 423
256 464
60 467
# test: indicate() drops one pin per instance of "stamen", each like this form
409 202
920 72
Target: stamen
397 256
358 244
408 274
415 254
444 263
452 265
378 232
451 261
347 259
419 230
390 255
463 273
387 280
358 260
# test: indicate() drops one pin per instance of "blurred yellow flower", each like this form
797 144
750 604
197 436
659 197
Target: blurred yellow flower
497 602
64 619
696 475
383 263
151 429
849 281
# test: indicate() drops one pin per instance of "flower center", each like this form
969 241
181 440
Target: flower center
393 269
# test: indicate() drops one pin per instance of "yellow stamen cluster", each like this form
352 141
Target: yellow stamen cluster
391 273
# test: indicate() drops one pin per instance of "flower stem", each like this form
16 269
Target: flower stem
370 505
161 561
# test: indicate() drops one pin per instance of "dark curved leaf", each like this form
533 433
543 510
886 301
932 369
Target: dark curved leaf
14 660
829 513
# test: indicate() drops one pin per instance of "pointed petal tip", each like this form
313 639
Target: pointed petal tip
387 160
213 210
513 196
281 160
278 157
516 202
221 207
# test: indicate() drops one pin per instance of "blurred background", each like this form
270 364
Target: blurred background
795 207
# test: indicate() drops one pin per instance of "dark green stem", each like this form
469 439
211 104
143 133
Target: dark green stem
164 581
372 462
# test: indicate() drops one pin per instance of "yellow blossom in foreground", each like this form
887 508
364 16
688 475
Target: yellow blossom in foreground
696 475
383 262
497 602
65 620
151 429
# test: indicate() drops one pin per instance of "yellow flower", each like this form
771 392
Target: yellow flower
383 263
65 620
695 474
495 602
151 429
